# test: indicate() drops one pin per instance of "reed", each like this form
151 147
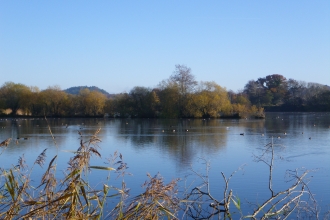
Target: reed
69 198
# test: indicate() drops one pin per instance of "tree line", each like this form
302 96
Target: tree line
276 92
178 96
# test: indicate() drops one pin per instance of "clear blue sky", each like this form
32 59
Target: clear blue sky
117 45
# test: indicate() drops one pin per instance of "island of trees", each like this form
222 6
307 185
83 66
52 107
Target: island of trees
178 96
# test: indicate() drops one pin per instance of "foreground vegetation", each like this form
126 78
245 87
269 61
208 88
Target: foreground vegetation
177 97
72 196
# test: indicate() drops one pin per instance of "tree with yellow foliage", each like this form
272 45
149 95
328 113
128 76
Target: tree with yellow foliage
55 101
15 96
210 100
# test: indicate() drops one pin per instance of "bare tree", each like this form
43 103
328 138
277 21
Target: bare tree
183 77
296 199
186 83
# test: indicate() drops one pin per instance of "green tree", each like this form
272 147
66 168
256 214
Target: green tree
312 91
270 90
294 93
120 105
324 100
15 96
277 85
109 106
169 99
144 102
36 105
320 101
255 91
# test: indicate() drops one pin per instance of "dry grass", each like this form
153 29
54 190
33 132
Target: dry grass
69 198
73 198
158 201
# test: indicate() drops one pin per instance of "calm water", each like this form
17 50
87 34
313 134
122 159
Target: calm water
152 146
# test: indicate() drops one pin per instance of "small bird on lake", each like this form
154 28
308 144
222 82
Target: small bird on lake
241 134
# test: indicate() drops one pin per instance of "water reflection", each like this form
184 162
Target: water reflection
171 146
181 139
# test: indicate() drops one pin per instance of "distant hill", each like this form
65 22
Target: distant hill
76 89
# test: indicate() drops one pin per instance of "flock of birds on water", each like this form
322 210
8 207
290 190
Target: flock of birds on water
171 128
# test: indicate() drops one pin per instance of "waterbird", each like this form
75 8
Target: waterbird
310 138
212 205
241 134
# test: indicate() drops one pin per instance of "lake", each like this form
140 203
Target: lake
175 147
